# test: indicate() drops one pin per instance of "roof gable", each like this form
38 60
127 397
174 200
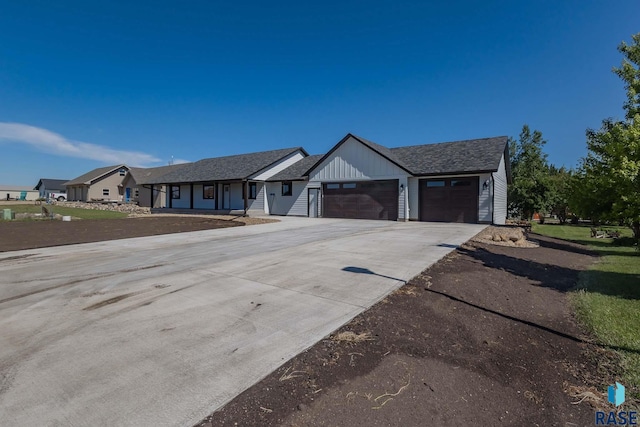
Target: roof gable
52 184
377 148
89 177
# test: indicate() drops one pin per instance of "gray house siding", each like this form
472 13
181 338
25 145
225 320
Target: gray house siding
295 205
485 198
198 201
257 204
500 194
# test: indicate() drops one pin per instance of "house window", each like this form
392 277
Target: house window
253 190
175 191
435 183
123 172
458 183
208 192
286 188
136 192
105 191
349 185
333 186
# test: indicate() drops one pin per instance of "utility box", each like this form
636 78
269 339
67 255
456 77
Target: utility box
7 215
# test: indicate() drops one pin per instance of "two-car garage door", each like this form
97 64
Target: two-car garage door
441 199
361 200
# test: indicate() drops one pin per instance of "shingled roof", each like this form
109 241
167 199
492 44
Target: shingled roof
226 168
296 171
51 184
473 155
148 175
94 174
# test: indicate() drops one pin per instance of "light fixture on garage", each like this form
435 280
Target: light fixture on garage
485 185
402 186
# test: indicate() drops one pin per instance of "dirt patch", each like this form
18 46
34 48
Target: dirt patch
484 337
18 235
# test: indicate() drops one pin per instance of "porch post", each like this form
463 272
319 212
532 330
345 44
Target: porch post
216 194
151 203
170 195
246 195
191 195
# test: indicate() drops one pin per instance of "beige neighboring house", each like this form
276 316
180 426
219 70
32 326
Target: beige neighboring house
137 184
101 184
122 184
18 192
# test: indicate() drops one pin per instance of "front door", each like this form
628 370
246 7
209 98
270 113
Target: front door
313 202
226 197
127 194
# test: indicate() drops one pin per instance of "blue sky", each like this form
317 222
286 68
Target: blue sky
86 84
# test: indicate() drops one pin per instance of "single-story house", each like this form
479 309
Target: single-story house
18 192
46 186
227 184
461 181
99 184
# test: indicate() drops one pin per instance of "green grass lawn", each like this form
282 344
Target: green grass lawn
63 210
607 299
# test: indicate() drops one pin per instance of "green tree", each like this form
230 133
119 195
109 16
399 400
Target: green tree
612 167
531 186
560 181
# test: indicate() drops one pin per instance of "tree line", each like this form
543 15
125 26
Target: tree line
605 186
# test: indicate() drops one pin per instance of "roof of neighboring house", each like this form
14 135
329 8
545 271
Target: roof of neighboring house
297 170
473 155
226 168
51 184
16 188
148 175
88 177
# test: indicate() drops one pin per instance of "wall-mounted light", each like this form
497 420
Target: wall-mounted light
485 185
402 186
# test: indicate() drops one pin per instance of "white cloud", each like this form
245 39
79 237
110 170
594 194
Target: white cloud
180 161
54 143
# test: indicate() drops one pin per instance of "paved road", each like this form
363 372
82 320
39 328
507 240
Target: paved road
163 330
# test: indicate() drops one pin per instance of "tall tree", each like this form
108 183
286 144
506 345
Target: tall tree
613 159
560 191
530 190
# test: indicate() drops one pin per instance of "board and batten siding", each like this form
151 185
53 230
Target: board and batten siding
353 160
500 194
278 166
296 204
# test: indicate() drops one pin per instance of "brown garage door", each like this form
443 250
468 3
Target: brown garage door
449 199
361 200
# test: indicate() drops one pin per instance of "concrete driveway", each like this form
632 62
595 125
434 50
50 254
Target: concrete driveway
163 330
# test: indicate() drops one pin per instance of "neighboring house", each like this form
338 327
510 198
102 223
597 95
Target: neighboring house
231 183
462 181
99 184
139 188
46 186
18 192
